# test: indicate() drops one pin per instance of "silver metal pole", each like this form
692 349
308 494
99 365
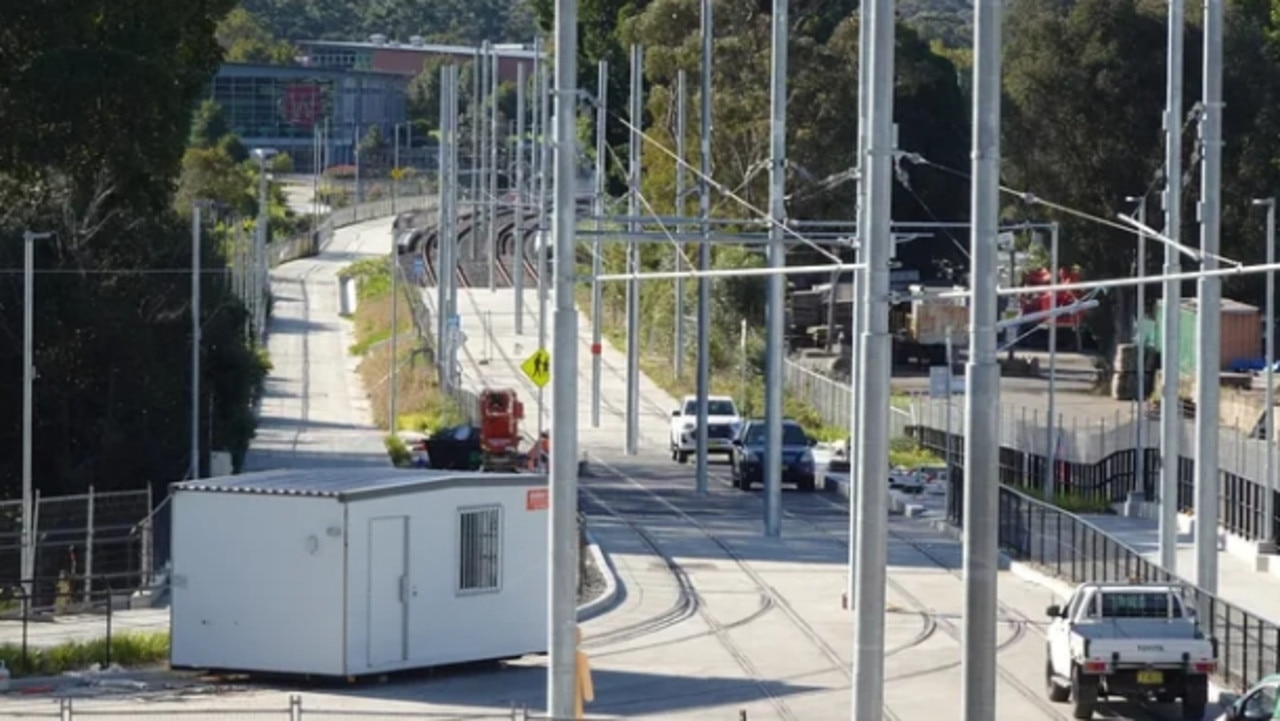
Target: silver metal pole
597 301
544 236
395 331
28 380
493 171
1209 308
982 401
947 423
1170 346
1139 445
858 277
194 468
1051 451
873 456
450 271
517 259
777 303
444 190
260 251
395 165
704 249
681 131
562 621
477 98
1269 466
636 116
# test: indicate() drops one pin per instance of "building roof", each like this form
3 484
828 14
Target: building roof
502 51
353 483
298 71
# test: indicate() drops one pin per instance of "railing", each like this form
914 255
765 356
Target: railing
1077 551
312 242
831 399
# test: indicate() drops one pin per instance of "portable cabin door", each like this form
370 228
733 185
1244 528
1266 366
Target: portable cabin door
388 570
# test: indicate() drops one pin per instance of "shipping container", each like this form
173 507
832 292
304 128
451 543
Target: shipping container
346 572
1241 326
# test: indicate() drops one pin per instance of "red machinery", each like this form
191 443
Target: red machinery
1041 302
500 416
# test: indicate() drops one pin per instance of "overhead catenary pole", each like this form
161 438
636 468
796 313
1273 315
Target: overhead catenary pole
873 456
449 271
28 560
544 225
1051 427
493 171
1139 417
680 205
444 189
704 249
392 385
1209 308
517 261
562 621
982 398
857 305
1268 544
395 165
477 91
193 471
635 163
777 301
1170 346
597 301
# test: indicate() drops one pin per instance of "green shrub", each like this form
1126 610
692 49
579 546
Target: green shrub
128 648
909 454
396 448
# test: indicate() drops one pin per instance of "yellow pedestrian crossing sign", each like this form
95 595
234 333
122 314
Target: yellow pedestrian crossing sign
538 367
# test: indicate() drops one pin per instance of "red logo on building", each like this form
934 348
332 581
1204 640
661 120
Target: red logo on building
302 105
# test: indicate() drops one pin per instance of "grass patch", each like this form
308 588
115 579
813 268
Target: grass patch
127 649
907 453
1073 503
421 405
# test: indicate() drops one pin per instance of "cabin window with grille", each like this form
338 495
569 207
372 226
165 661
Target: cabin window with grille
479 549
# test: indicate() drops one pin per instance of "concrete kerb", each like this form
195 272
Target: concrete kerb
611 595
838 483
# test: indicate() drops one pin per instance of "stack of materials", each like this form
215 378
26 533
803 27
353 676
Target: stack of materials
1124 381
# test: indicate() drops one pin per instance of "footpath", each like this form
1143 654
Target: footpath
493 352
314 410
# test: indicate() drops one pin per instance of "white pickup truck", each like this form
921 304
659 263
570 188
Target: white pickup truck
1132 640
723 423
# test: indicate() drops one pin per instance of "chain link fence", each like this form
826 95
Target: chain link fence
832 400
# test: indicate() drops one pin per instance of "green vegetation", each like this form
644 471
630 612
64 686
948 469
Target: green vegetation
438 21
129 649
420 403
907 453
1075 503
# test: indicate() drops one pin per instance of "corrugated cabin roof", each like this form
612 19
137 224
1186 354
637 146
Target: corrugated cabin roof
351 483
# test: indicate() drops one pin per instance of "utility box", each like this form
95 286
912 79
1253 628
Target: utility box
348 572
348 295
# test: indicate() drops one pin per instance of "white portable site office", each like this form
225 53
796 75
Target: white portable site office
346 572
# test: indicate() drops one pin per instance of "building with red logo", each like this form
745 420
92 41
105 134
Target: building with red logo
283 106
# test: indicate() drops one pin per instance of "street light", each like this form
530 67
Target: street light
28 377
1269 492
1139 417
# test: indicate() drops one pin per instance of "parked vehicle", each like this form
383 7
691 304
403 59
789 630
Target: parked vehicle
1136 641
723 423
749 453
1258 703
906 480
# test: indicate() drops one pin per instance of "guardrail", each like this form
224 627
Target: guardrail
312 242
1073 549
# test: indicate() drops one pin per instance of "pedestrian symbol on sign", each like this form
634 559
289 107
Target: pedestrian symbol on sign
538 367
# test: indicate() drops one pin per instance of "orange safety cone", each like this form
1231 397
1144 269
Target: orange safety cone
584 691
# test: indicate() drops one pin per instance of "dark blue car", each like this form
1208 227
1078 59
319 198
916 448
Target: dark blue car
749 450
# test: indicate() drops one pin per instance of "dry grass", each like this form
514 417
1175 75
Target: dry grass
420 404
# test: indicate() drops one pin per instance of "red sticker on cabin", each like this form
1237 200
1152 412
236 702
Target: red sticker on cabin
537 499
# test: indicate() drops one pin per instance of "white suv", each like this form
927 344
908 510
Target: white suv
723 422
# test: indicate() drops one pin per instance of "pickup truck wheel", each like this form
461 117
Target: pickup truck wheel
1057 692
682 457
1195 698
1084 689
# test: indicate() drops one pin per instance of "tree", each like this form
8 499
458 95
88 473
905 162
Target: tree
423 95
448 21
246 40
208 125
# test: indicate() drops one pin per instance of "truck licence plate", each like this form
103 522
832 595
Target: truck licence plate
1150 678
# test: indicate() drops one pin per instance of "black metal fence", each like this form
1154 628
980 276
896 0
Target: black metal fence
1069 547
1241 505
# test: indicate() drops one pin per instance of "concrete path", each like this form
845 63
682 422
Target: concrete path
493 352
314 409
